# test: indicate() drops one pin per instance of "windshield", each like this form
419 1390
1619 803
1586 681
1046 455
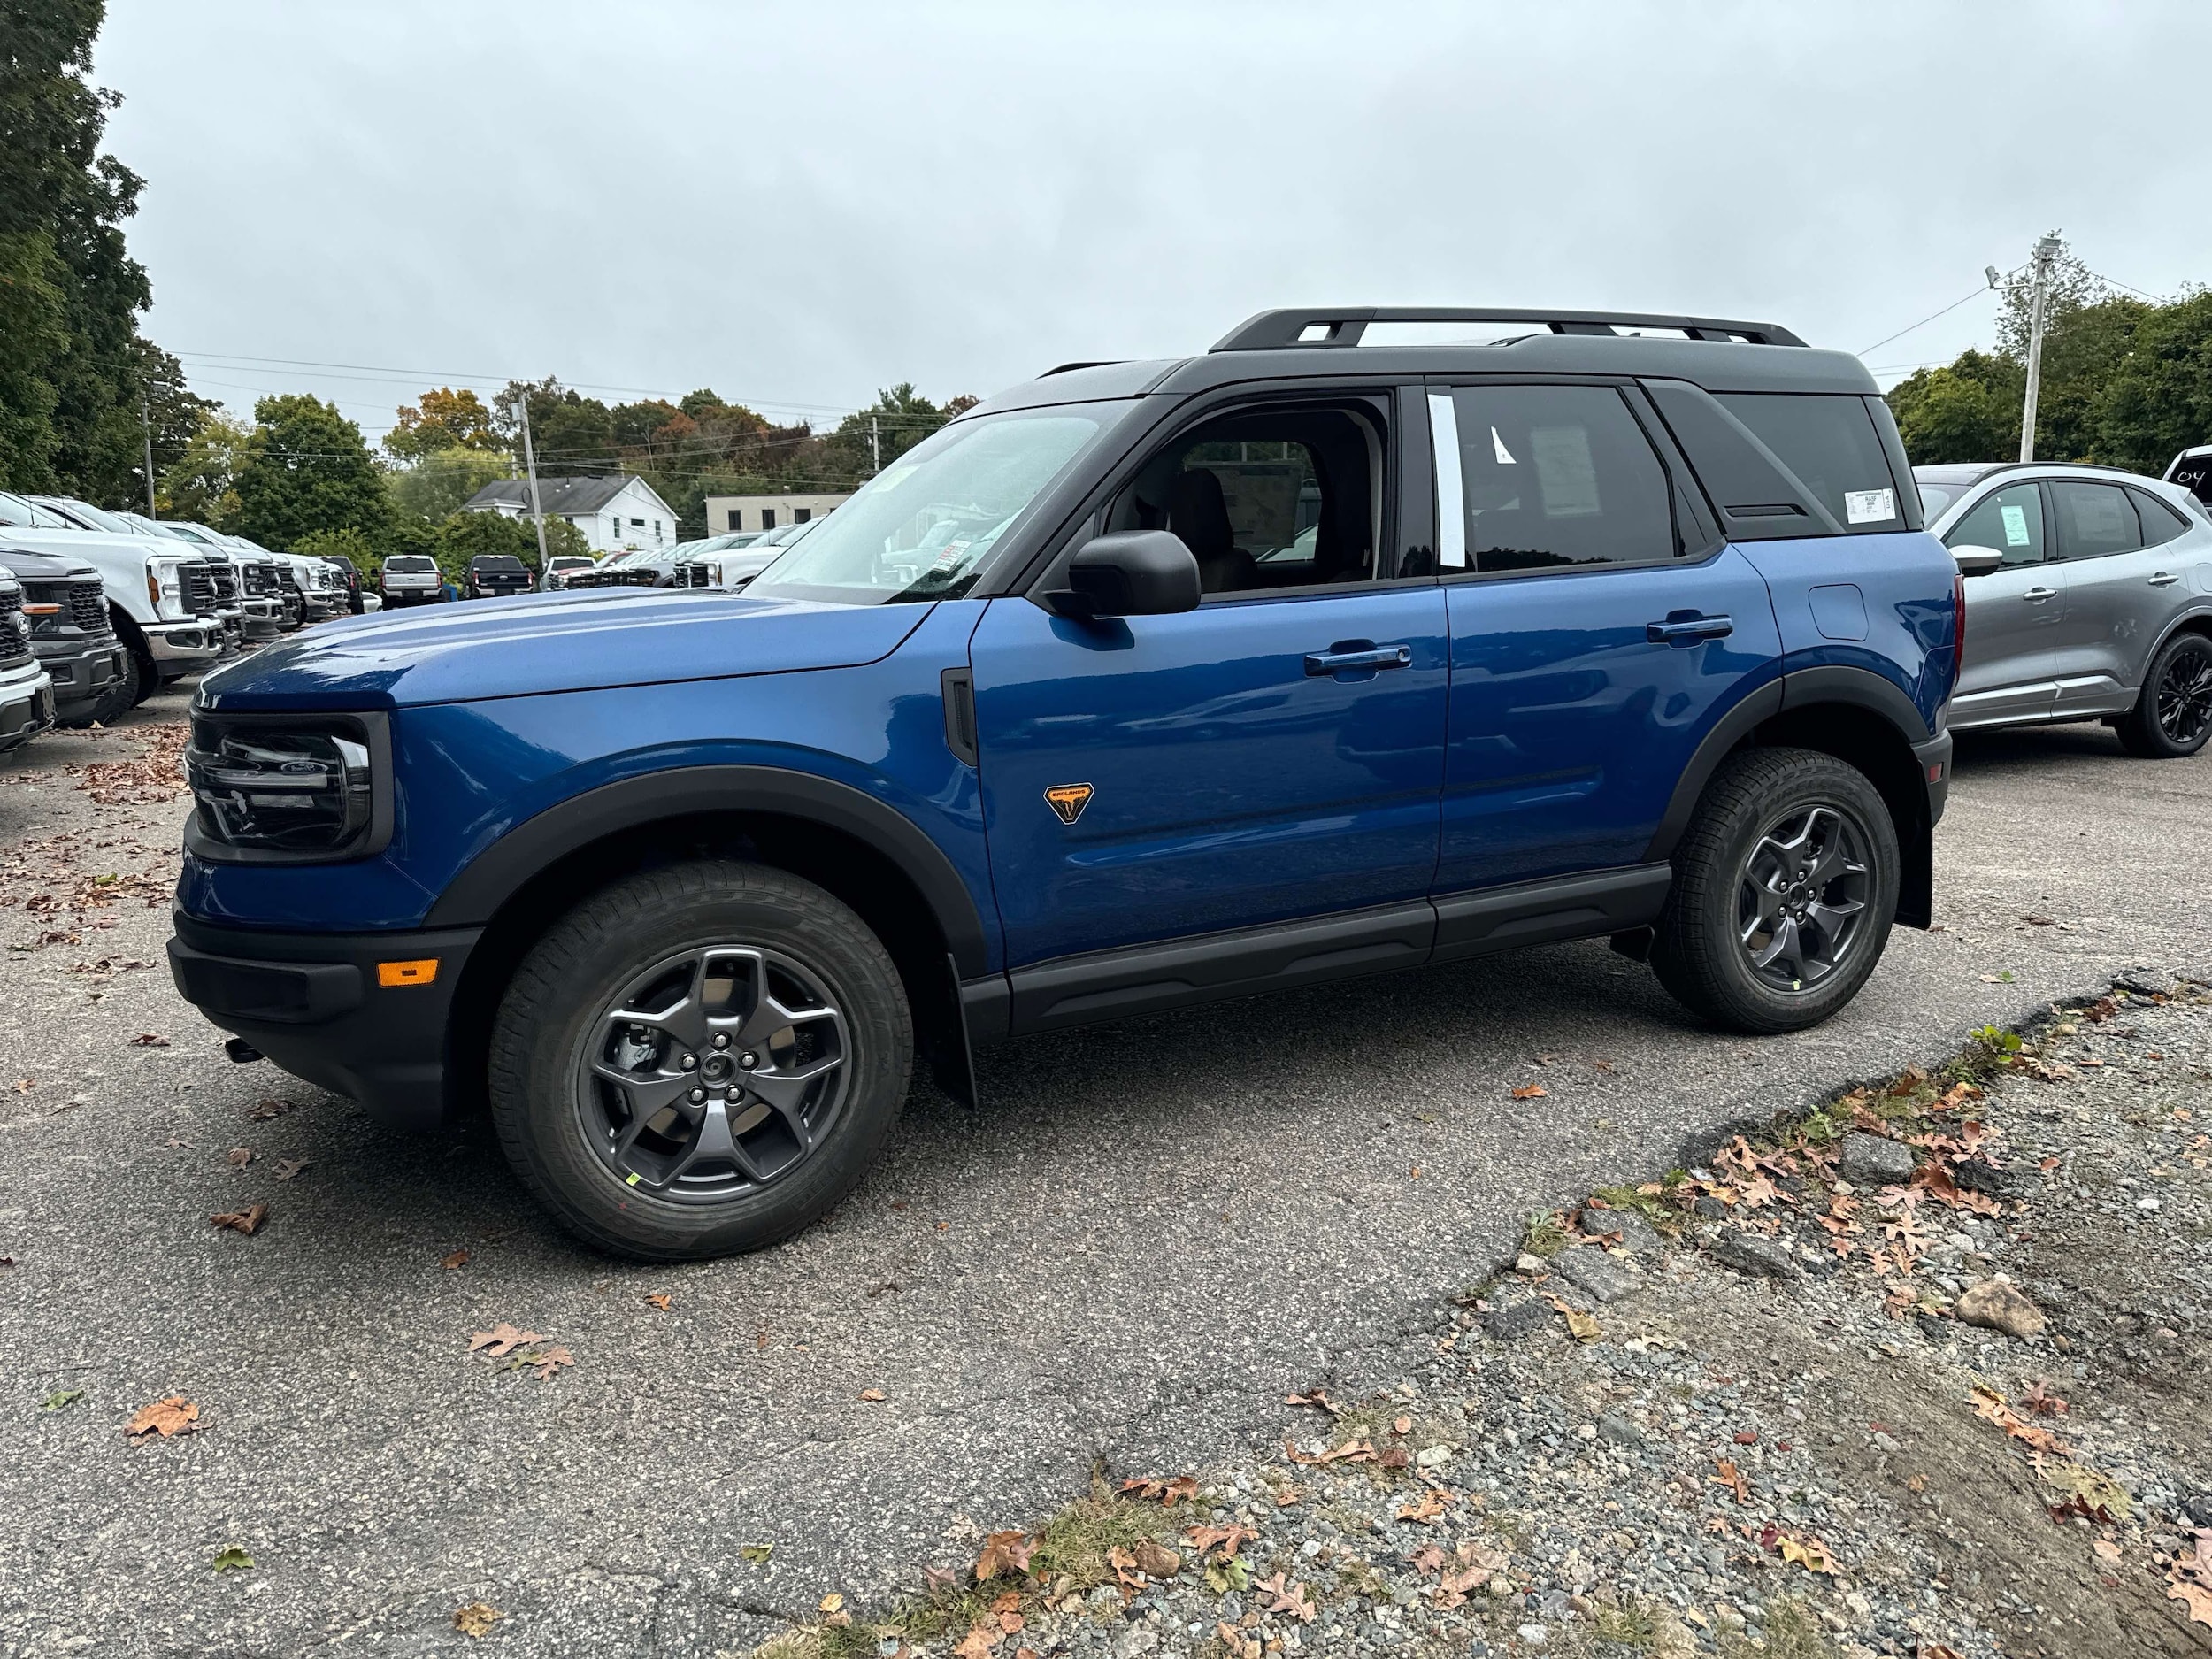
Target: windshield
20 514
95 517
921 529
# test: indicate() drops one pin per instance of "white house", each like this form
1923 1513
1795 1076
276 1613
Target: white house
766 512
613 513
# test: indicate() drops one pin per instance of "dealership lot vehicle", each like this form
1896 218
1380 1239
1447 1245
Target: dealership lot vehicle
61 603
257 575
2088 597
163 605
562 567
495 576
1599 635
411 579
26 691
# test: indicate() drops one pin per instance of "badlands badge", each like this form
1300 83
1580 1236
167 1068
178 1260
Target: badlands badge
1068 800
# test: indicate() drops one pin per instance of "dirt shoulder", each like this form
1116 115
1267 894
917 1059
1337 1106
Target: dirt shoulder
1920 1374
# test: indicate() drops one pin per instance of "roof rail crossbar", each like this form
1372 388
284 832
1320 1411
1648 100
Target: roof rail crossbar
1275 330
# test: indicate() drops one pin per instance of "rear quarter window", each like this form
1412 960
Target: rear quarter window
1830 442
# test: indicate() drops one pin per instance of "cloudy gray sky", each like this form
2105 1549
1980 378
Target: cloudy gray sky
798 204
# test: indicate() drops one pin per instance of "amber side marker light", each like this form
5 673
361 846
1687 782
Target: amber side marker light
421 972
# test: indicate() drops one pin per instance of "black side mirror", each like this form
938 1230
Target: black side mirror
1976 561
1129 573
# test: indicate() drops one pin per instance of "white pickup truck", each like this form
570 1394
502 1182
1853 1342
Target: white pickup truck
164 603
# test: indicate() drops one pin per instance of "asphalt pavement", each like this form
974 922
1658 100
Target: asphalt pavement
1144 1239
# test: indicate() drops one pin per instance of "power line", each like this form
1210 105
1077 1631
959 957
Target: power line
1925 321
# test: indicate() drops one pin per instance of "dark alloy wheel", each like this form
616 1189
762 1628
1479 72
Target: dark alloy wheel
1785 886
699 1059
2173 717
717 1070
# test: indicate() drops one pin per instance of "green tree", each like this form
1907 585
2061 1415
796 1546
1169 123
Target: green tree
197 486
346 544
898 419
464 535
442 419
306 469
74 372
1966 410
440 482
2157 400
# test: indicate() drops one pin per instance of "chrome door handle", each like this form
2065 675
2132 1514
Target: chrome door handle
2163 579
2036 596
1336 659
1682 630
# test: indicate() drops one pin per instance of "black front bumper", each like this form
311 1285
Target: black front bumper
83 670
312 1003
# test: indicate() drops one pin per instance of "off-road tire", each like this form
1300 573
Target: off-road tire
1697 951
2140 732
557 996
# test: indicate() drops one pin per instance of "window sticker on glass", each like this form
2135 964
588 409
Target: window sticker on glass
1565 472
1869 506
2015 526
1505 456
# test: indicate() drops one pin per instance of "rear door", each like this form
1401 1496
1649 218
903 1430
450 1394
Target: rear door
2112 609
2013 614
1599 628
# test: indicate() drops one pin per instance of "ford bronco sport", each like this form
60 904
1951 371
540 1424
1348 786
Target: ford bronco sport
1142 684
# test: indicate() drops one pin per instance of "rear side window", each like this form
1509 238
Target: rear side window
1547 476
2161 523
2094 520
1831 443
2010 520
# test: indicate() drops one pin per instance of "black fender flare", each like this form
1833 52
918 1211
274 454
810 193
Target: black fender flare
1732 728
496 874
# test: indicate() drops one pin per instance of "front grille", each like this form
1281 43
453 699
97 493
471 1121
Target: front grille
199 590
692 574
226 580
261 578
89 606
13 647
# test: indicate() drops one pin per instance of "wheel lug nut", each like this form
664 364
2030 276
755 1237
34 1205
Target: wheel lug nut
721 1039
689 1062
733 1093
748 1060
698 1096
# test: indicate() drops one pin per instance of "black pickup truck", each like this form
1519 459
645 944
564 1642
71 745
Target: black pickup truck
496 575
71 635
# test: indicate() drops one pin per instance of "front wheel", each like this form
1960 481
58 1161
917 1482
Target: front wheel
699 1060
1784 887
2173 717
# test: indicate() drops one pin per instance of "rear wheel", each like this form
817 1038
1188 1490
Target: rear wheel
2173 717
1784 887
699 1060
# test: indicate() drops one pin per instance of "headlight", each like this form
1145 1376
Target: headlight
165 589
300 790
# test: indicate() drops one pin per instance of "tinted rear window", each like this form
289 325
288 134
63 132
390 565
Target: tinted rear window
1830 444
497 562
407 565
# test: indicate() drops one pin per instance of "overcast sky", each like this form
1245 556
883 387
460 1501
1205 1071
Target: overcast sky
797 204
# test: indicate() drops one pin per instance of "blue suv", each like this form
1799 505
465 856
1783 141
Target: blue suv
1139 685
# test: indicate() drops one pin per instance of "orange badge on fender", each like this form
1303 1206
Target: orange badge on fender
1068 800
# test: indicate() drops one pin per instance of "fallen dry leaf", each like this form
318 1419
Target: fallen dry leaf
544 1365
287 1168
1004 1553
977 1644
1157 1560
872 1395
1731 1477
2041 1402
171 1415
261 1112
501 1340
477 1618
1126 1572
2194 1597
458 1258
2107 1550
238 1158
660 1299
1176 1491
1206 1540
1531 1091
1433 1504
246 1221
148 1039
1288 1598
833 1602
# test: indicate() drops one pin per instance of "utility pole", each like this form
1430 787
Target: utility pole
875 447
2038 300
146 424
521 407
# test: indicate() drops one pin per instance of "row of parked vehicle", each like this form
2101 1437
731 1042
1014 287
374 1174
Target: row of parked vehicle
100 610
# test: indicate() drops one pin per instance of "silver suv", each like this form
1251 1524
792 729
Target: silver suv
2088 597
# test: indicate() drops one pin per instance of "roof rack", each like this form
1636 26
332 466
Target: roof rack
1273 330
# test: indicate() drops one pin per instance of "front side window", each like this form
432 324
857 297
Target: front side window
1546 477
2094 520
1829 442
921 529
1266 498
2009 519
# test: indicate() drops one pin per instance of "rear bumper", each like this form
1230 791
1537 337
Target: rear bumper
312 1002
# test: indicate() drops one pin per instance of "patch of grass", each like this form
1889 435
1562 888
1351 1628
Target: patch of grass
1547 1233
1073 1543
1651 1206
1791 1633
1630 1626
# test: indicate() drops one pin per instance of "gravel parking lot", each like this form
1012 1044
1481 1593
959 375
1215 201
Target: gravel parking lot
1143 1238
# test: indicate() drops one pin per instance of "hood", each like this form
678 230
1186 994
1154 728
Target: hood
596 639
44 567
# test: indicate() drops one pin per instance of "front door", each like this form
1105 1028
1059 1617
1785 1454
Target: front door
2013 613
1592 646
1274 753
